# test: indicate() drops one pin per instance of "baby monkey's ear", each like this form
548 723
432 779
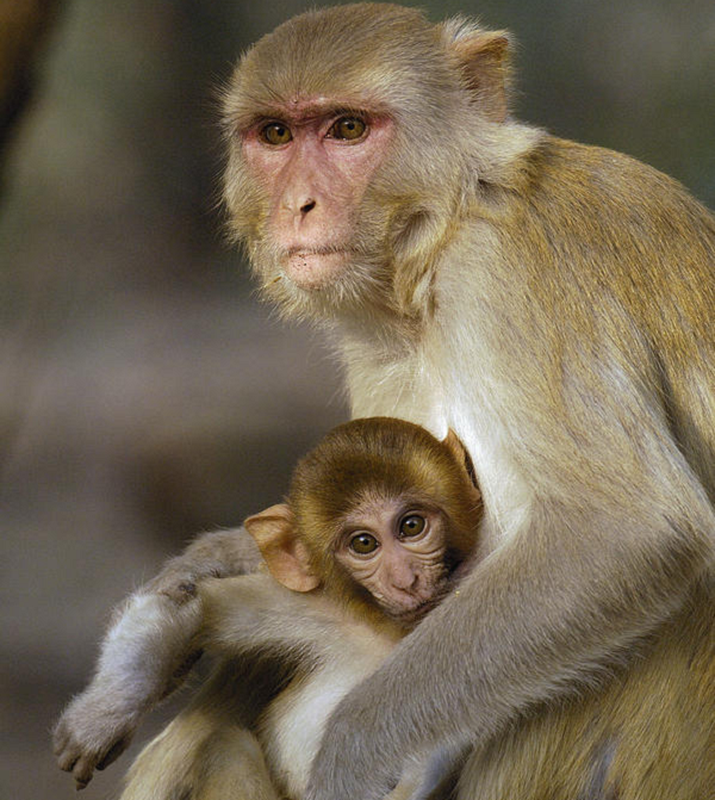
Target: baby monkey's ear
286 556
462 457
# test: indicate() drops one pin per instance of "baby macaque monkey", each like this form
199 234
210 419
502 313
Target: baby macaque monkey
379 523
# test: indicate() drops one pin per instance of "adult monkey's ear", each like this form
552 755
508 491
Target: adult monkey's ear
286 556
482 57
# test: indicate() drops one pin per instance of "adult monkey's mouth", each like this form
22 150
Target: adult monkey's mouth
313 267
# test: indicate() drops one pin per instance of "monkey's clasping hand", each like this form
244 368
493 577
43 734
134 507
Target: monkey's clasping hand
91 733
145 655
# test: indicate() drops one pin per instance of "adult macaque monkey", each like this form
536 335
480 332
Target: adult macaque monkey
380 521
552 303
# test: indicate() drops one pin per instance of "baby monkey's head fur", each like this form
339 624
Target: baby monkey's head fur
387 470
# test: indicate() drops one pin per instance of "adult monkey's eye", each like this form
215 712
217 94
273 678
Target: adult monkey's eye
275 133
348 128
412 525
364 543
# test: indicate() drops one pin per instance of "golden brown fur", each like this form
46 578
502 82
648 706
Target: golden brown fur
649 735
554 304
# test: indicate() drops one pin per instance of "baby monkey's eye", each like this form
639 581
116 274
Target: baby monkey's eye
412 525
276 133
348 128
363 543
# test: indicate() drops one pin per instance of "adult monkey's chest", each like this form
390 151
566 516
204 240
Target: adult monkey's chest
292 727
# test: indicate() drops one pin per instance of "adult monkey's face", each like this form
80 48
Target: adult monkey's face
350 145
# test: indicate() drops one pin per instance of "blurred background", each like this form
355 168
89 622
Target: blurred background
145 395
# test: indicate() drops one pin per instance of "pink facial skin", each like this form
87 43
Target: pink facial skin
315 161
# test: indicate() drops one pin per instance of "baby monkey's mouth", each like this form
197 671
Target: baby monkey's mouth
409 617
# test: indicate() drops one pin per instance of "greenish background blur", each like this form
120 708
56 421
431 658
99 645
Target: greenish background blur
144 393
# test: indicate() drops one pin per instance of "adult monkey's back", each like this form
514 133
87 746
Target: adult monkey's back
552 303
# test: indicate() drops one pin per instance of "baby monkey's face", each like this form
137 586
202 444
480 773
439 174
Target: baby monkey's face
396 549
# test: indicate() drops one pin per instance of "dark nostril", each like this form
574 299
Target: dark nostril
306 207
